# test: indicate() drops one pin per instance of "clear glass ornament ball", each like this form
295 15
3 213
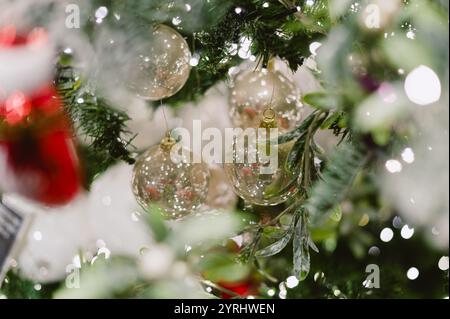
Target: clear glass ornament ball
159 65
253 90
249 179
170 182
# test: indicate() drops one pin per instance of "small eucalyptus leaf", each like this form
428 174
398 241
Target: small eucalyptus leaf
320 100
279 245
301 245
312 245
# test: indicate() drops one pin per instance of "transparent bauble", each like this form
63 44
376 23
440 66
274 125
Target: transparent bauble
159 67
170 181
257 171
251 92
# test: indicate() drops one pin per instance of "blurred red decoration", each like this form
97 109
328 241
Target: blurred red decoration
38 149
9 37
38 157
242 289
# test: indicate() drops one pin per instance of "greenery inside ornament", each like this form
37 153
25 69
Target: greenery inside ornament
160 66
265 181
250 95
169 180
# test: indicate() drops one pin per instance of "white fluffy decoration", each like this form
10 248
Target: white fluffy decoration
54 238
107 216
114 215
16 63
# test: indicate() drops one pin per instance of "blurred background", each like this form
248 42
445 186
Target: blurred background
369 220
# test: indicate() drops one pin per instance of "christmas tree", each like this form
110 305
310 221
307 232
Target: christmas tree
117 181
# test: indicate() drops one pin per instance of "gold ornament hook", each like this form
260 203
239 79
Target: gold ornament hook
269 119
269 115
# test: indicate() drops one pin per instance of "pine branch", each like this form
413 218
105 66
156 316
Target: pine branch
274 30
97 123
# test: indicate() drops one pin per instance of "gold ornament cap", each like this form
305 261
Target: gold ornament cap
167 143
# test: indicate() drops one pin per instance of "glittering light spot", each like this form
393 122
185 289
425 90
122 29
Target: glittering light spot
412 273
244 53
364 220
143 251
367 283
194 59
283 291
422 86
232 49
68 51
310 3
407 232
80 100
104 251
271 292
374 251
265 5
410 35
393 166
76 261
251 297
37 235
386 234
209 289
408 155
443 263
318 276
176 20
188 7
292 282
397 222
313 47
238 10
37 287
435 231
101 12
135 216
